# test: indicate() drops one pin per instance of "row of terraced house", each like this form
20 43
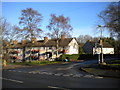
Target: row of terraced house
42 49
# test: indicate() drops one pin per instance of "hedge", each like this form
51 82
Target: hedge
87 56
73 56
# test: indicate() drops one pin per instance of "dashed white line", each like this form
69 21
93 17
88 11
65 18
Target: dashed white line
45 73
77 75
12 80
49 73
19 71
88 76
9 70
58 74
98 77
29 72
14 70
66 75
58 87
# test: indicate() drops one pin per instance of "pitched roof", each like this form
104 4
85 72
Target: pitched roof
41 43
105 44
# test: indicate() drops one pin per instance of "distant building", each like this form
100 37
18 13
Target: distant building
95 48
42 49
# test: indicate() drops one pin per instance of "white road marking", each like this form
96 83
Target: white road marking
29 72
34 72
49 73
43 73
58 74
14 70
88 76
70 67
58 87
98 77
71 74
12 80
77 75
66 75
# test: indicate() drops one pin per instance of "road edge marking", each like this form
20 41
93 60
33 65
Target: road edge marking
12 80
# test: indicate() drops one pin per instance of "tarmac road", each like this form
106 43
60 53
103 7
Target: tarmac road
58 76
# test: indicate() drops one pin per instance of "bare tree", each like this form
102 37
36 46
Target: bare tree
84 38
8 31
30 23
59 25
111 19
7 35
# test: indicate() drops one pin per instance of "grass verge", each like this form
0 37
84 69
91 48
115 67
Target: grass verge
34 63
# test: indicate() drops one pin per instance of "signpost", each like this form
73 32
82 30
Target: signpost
97 51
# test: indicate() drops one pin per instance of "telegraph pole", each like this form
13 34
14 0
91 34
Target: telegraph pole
101 44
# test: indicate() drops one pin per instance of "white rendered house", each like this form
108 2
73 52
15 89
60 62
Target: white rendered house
94 48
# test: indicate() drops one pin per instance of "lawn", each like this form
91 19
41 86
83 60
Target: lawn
111 69
114 64
34 63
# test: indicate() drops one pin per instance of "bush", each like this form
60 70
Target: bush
87 57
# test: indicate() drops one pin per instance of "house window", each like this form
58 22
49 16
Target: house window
74 45
50 47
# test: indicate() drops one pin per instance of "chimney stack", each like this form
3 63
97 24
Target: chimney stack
100 42
34 40
62 37
14 42
23 41
45 39
7 44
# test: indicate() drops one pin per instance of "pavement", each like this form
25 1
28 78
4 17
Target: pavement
94 69
102 72
9 66
14 66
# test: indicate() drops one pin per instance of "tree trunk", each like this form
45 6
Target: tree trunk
57 49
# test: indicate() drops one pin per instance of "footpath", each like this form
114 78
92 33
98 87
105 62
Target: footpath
95 69
14 66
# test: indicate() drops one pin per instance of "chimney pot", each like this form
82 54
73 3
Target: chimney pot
23 41
34 40
62 37
14 42
45 39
